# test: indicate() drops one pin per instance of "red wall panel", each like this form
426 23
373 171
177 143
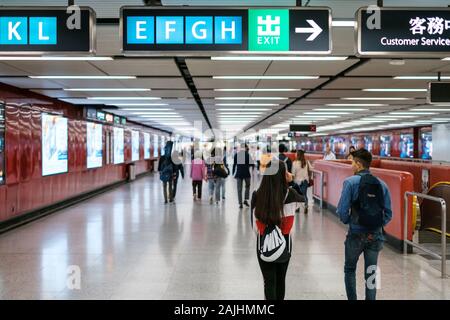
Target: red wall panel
25 188
398 183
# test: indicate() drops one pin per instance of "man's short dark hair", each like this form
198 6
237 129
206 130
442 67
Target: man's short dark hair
282 148
363 156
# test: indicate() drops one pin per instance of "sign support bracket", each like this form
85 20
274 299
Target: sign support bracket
439 76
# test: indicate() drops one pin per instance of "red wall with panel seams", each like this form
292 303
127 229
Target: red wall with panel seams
26 189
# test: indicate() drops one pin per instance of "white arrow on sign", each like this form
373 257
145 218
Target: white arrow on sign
315 30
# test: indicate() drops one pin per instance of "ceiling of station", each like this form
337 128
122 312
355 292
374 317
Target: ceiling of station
344 87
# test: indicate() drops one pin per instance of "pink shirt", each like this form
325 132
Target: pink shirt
198 170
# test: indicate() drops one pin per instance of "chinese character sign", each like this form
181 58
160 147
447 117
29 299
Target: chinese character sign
421 32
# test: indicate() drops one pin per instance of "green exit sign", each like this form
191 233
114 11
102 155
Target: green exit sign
268 29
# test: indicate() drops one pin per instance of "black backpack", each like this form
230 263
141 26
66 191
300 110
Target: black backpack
369 207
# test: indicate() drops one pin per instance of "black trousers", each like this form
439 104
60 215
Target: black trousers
197 188
274 275
175 182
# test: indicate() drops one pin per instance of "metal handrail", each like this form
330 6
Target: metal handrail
443 255
321 186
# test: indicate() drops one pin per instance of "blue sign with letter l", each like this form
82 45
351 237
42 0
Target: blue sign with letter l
228 30
43 30
13 30
169 30
140 30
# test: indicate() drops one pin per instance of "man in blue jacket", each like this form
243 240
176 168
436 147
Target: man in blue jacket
356 207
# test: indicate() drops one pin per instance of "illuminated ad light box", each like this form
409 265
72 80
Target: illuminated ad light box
41 30
134 145
403 32
147 30
94 144
155 146
54 144
146 145
118 146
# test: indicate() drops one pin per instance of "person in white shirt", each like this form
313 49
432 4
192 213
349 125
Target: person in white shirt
328 154
258 158
301 172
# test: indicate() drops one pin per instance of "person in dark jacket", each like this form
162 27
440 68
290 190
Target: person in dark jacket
282 149
166 170
178 168
241 171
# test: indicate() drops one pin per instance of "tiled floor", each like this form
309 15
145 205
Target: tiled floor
128 245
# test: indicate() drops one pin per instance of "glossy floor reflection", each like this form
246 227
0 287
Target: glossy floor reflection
128 245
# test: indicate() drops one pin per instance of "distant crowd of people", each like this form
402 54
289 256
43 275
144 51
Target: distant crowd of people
364 205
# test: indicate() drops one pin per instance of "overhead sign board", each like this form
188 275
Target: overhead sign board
438 92
403 31
47 30
302 128
147 30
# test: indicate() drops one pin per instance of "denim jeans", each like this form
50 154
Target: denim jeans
220 184
304 190
211 184
355 244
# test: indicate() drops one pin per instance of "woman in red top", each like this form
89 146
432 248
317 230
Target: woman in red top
274 204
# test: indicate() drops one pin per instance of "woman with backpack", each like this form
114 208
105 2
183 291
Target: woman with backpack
274 205
301 171
166 171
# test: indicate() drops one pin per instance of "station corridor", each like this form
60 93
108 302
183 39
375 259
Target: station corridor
129 245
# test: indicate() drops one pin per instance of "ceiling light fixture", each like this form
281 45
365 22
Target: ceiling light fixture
107 89
356 105
247 104
123 98
278 58
251 98
420 77
377 98
84 77
256 90
265 77
50 58
394 90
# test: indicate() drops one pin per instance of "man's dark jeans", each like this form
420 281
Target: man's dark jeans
370 245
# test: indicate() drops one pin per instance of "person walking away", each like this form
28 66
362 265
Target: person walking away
225 163
282 149
329 155
210 177
178 168
258 159
301 172
166 171
220 174
198 174
350 151
241 171
365 205
274 205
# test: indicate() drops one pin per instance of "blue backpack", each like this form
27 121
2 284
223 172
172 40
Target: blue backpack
167 171
369 206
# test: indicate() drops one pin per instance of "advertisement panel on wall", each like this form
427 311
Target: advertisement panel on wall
54 144
146 145
134 145
163 141
118 146
2 143
94 139
155 146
